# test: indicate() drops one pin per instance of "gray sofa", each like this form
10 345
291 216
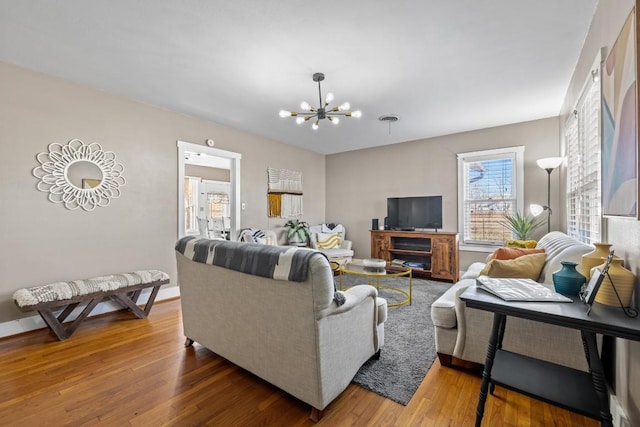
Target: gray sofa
463 333
293 334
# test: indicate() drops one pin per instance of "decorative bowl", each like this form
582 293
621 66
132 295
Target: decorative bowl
374 262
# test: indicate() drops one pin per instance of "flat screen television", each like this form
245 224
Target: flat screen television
413 213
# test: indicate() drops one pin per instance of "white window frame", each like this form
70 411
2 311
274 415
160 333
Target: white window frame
517 154
583 146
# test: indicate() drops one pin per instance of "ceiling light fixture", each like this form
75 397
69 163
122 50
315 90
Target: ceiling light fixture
323 111
389 118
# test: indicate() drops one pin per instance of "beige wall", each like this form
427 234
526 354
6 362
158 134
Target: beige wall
359 182
44 242
624 234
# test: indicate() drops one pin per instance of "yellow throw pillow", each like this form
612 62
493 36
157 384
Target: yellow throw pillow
529 244
524 267
329 240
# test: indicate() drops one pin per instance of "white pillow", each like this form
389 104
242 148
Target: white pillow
337 228
329 240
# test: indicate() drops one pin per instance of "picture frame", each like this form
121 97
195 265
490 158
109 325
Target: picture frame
589 292
619 124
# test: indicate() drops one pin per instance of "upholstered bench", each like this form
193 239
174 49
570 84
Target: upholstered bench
123 288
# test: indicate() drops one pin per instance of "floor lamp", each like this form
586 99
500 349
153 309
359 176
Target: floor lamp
548 164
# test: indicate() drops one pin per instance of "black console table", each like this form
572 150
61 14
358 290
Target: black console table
578 391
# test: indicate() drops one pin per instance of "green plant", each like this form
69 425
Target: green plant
521 225
297 228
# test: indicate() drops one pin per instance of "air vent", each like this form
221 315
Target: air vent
390 118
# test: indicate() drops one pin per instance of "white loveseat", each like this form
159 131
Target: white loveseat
463 333
293 334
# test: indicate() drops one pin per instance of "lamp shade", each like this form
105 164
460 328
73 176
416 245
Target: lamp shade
536 209
549 162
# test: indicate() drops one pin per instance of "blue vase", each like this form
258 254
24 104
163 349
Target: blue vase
568 280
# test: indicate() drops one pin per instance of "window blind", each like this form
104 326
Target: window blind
489 190
582 137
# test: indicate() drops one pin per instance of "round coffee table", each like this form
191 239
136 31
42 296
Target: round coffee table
357 268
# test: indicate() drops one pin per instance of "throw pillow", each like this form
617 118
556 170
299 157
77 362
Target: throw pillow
328 240
513 253
529 244
333 228
524 267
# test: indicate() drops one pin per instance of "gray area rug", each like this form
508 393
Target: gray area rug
409 347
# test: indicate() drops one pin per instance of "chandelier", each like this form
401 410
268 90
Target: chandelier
323 111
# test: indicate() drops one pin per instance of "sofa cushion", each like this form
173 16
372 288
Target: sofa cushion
473 271
526 266
513 253
338 253
328 240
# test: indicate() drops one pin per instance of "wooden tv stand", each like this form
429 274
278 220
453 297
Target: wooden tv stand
437 251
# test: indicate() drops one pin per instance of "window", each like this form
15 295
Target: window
490 185
582 139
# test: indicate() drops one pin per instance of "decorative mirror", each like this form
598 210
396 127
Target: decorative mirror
79 175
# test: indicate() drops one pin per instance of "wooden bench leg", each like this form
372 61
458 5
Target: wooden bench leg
55 323
126 301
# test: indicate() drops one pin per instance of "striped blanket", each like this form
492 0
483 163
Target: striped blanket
275 262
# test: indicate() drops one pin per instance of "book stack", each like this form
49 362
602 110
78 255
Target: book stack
398 263
414 264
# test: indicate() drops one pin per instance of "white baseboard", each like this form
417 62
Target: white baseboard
14 327
620 418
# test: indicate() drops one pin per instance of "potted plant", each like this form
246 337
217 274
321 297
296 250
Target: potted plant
297 232
521 225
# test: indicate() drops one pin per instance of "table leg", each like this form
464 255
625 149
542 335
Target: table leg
410 285
494 341
597 376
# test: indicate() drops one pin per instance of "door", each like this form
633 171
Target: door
443 264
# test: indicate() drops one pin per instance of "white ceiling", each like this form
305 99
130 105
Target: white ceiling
443 66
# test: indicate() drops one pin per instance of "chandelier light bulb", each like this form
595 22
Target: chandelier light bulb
329 97
356 113
345 106
335 120
305 105
285 113
300 120
315 125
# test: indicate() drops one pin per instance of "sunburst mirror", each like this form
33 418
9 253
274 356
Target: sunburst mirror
79 175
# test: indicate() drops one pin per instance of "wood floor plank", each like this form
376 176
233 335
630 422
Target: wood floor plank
115 370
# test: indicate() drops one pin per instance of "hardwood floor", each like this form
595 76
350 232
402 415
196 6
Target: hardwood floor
119 371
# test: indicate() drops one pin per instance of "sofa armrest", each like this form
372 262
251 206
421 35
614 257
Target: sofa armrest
444 311
346 244
353 297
